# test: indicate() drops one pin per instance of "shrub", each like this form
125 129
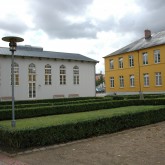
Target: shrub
74 108
33 137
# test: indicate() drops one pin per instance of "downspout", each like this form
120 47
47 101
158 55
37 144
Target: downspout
140 88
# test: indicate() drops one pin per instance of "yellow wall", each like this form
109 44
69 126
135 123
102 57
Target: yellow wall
126 71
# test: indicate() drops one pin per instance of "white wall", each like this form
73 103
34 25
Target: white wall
86 86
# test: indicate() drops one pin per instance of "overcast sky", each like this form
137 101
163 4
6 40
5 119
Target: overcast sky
94 28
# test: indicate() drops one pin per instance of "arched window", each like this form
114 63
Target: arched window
32 80
121 80
121 62
48 74
132 81
75 75
16 74
146 79
62 75
145 58
111 63
32 68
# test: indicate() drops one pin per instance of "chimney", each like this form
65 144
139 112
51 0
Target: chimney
147 34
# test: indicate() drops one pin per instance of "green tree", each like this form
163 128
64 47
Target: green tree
100 80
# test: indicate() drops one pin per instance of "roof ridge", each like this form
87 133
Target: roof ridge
47 54
142 43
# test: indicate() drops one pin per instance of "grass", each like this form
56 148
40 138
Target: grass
74 117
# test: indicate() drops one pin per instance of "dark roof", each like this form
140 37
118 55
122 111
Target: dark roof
29 51
154 40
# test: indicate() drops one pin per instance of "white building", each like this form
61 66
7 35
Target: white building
42 74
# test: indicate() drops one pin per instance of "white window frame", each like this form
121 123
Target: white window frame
145 58
32 80
121 80
16 74
131 60
112 82
111 63
48 74
132 80
158 79
121 62
32 69
76 75
62 75
157 56
146 79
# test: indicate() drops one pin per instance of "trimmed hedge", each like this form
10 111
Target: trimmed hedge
25 106
47 100
74 108
19 139
125 97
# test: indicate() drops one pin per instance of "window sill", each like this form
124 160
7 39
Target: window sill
146 86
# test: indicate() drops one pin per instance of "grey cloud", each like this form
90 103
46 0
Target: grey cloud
151 4
150 17
13 25
52 17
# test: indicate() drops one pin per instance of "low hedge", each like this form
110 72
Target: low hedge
34 137
125 97
25 106
74 108
47 100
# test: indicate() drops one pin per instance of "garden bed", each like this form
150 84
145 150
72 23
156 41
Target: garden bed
41 131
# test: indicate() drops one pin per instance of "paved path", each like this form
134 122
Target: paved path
139 146
6 160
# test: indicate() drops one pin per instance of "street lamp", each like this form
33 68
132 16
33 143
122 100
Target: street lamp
12 44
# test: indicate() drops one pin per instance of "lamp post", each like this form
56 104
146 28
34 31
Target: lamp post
12 44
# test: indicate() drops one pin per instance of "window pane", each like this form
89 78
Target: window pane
132 81
112 82
75 75
48 75
158 78
111 64
131 61
157 56
146 79
145 58
120 62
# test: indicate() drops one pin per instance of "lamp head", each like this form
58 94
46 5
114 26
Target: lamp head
12 41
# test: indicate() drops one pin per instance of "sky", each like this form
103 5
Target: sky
94 28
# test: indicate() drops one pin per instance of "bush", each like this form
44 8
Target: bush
73 131
74 108
48 100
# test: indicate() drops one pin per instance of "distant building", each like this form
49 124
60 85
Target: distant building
137 67
100 80
98 75
42 74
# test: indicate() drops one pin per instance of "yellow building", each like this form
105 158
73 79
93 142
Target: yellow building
137 67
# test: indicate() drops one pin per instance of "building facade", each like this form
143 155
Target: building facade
137 67
42 74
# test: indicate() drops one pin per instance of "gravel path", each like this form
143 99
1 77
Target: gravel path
139 146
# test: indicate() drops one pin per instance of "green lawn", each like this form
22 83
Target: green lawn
74 117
